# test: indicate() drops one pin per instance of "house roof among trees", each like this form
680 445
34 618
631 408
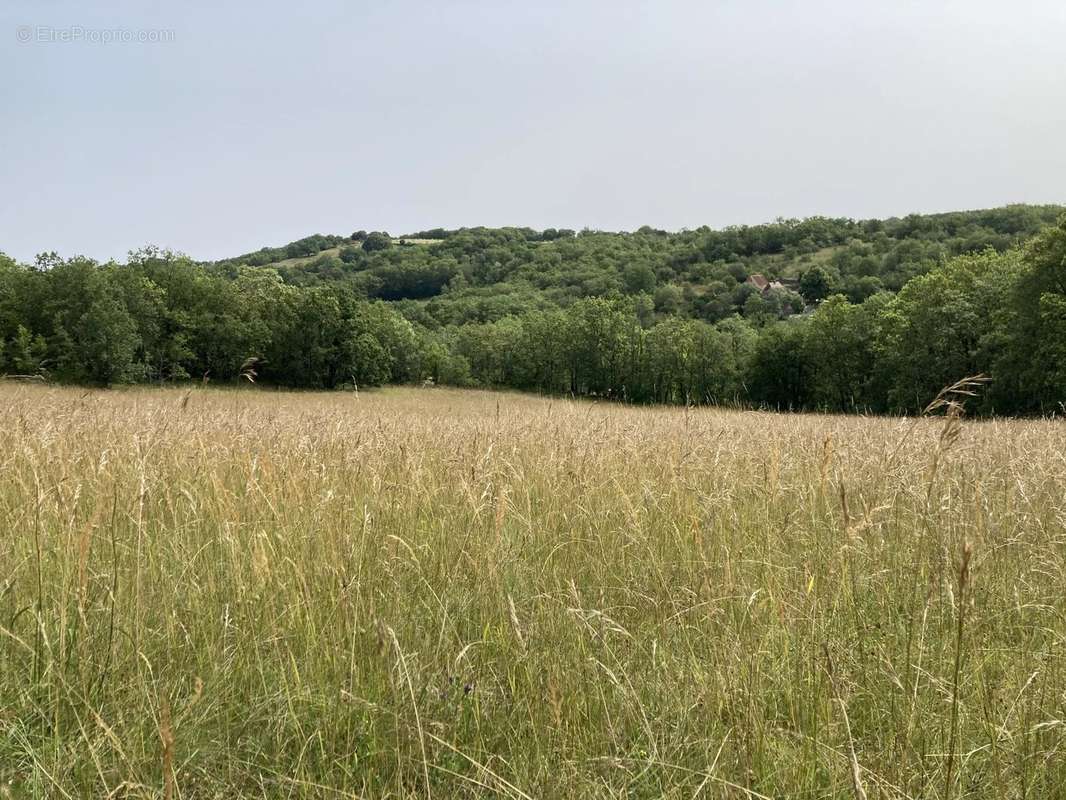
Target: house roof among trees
759 282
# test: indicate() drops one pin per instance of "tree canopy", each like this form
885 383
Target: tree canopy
834 314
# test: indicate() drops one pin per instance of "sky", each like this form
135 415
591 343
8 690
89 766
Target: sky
219 128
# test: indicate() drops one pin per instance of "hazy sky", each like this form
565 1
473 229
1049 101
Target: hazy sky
260 122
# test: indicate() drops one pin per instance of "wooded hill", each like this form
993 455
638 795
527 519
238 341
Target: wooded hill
820 313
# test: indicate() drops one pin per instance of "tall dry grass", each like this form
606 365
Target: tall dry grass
433 593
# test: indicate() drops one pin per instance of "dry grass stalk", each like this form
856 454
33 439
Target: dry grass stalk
166 736
853 759
963 602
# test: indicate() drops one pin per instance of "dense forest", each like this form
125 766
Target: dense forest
820 313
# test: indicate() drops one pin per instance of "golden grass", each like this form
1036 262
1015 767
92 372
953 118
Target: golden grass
435 593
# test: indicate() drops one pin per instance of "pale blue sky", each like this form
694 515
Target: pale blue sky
261 122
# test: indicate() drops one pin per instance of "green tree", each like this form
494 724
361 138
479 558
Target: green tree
668 299
638 278
12 278
687 361
105 343
26 352
376 241
365 360
839 351
541 351
600 337
779 374
941 327
1030 374
815 285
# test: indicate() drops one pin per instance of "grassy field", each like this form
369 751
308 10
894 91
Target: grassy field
421 593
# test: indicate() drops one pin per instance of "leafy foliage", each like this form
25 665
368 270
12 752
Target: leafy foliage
821 313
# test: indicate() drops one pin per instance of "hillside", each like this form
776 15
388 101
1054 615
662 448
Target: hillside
451 277
828 314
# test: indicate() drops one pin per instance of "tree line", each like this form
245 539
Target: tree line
998 308
161 317
998 314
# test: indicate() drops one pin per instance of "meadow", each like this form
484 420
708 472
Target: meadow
437 593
